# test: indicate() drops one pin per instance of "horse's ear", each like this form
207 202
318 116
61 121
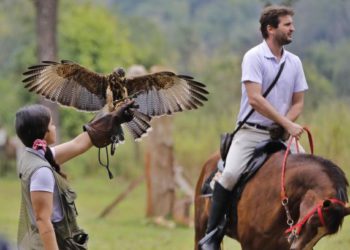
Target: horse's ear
346 211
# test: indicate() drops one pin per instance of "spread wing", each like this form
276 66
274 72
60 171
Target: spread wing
67 83
165 93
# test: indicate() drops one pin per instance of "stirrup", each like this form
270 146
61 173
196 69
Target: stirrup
208 236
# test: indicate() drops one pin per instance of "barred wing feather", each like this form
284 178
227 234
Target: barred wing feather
139 126
166 93
67 83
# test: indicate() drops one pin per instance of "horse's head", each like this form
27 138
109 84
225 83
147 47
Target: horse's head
324 218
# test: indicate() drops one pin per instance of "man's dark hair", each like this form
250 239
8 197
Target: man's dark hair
270 16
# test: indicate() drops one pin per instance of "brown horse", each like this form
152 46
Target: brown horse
317 195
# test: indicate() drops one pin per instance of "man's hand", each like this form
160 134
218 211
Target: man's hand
294 129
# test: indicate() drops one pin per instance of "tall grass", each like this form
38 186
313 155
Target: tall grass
126 226
330 127
195 139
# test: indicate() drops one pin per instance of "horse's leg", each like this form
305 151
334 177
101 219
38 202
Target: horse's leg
202 204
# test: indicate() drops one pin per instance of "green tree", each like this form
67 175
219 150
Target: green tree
320 87
98 40
148 43
341 71
17 49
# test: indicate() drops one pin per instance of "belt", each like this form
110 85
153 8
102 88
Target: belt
256 125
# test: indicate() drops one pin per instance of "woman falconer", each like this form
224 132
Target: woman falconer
47 217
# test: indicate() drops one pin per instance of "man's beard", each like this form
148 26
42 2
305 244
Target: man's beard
283 40
286 41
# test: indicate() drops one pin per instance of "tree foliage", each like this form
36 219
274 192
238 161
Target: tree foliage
203 38
17 43
97 40
148 43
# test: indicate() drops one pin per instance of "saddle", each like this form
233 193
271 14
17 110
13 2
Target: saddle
261 153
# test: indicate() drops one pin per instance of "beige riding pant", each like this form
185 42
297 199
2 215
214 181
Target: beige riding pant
240 152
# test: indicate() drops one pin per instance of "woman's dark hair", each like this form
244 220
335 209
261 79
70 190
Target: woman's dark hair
270 16
32 122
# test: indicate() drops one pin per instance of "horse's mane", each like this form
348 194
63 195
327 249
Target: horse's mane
334 172
340 183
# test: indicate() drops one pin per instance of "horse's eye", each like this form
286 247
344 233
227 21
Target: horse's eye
327 203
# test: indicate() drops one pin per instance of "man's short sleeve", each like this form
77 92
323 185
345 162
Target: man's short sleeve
300 81
251 68
42 180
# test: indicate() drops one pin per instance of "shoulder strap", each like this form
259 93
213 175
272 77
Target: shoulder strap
275 80
264 95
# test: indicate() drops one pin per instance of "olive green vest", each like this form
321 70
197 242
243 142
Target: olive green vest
28 235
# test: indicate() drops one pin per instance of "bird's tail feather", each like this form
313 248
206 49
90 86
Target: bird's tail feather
139 126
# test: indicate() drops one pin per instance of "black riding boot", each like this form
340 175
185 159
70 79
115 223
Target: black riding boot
216 222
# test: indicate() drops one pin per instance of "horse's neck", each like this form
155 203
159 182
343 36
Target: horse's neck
307 185
308 176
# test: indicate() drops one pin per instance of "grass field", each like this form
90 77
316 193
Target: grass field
125 227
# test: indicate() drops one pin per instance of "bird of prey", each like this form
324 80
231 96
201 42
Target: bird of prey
71 84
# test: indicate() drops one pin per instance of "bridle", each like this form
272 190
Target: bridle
294 230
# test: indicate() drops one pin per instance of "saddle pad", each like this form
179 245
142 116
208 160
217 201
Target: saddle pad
261 153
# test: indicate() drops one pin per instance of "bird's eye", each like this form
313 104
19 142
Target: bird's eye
121 72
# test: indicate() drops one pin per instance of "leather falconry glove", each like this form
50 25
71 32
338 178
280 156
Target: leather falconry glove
102 129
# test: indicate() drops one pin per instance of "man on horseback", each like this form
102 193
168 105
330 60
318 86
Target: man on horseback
282 106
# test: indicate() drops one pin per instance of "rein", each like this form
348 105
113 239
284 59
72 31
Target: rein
294 230
284 196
